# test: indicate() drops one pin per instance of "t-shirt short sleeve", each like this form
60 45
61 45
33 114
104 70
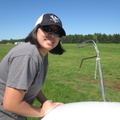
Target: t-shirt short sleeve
22 70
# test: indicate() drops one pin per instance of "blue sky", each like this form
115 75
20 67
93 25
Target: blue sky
18 17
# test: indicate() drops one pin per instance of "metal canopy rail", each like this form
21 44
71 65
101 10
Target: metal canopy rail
98 63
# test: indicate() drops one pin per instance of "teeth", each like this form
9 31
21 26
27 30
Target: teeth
49 41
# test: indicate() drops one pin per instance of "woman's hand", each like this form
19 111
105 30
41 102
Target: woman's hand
48 106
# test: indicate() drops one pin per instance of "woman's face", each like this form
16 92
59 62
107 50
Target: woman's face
47 41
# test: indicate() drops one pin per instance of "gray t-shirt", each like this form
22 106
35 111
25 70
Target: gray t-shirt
22 68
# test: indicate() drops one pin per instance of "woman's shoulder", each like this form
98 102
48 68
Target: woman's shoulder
24 49
25 46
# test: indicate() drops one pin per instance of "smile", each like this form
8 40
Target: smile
50 41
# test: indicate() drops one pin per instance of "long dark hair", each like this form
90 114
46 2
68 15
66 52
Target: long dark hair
32 38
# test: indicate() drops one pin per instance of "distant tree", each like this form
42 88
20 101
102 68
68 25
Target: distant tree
116 38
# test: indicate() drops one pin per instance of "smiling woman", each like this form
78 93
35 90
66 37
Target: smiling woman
49 26
47 40
23 71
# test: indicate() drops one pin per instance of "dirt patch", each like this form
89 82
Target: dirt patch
108 83
77 86
116 86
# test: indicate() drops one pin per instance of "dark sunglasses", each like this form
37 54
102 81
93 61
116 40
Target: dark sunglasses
50 30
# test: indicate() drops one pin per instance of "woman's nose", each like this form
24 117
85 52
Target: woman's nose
52 35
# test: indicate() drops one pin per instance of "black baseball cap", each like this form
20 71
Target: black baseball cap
50 19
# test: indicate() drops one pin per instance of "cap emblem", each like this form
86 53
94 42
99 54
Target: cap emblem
54 19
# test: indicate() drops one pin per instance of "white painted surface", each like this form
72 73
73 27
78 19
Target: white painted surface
85 111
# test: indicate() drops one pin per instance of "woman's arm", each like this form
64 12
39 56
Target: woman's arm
41 97
13 102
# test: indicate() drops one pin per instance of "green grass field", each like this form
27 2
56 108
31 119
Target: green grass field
67 83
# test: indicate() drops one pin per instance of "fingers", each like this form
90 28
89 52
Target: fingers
49 106
58 104
54 105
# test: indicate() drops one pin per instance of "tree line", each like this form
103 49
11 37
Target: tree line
97 37
12 41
